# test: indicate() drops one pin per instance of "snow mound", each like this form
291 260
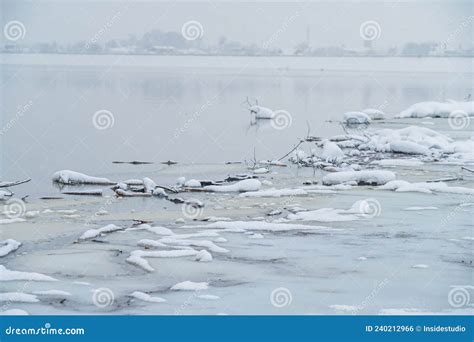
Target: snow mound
241 186
8 275
138 257
409 140
146 297
365 177
356 118
93 233
437 109
73 177
203 256
190 286
7 246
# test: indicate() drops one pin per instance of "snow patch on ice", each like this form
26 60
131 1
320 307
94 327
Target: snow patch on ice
8 275
190 286
93 233
146 297
241 186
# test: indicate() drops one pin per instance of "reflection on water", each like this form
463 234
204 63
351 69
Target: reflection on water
192 116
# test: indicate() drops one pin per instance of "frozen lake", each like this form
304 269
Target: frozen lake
405 259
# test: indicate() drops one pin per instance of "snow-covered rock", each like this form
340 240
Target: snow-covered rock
331 152
437 109
365 177
192 183
73 177
149 184
354 118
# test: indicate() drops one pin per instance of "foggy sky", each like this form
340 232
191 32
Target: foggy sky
328 23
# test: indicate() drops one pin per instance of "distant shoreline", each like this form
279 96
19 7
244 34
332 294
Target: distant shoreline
230 55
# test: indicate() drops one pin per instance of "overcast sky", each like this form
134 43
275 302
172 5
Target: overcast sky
328 22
